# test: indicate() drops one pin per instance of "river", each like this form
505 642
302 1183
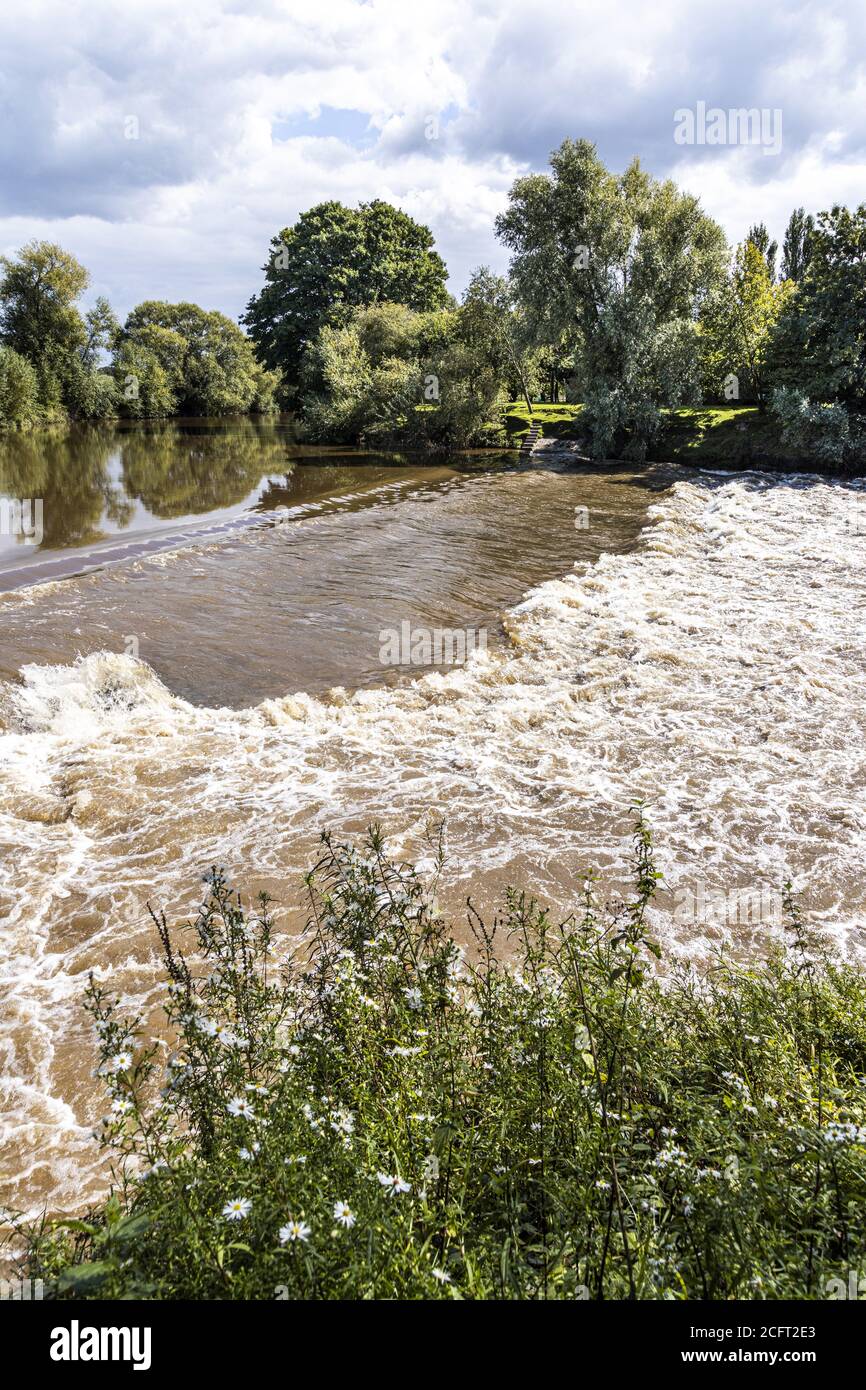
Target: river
197 667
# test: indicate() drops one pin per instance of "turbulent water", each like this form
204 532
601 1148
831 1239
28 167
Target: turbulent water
700 645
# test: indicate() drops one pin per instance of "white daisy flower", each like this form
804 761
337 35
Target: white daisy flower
344 1215
342 1121
122 1061
237 1208
240 1106
394 1183
294 1230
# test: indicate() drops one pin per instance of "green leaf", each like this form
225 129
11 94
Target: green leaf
131 1227
85 1277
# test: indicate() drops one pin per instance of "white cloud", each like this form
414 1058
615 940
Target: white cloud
245 114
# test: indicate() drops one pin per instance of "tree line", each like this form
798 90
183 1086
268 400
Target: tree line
622 295
166 359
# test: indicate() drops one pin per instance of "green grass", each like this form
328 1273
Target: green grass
705 434
712 434
369 1113
557 421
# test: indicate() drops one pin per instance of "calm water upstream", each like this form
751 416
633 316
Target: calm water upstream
191 673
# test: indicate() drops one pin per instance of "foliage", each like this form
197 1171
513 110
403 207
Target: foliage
144 386
367 373
796 248
819 346
19 390
102 329
759 237
335 259
207 365
825 431
491 322
38 290
392 375
87 394
369 1111
616 267
736 328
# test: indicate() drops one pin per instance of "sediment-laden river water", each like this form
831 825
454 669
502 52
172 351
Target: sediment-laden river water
695 640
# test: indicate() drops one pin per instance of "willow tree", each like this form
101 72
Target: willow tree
616 267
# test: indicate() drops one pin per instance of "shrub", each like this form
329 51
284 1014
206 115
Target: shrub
89 395
826 431
19 389
376 1113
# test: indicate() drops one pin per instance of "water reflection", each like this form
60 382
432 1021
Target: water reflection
95 482
173 474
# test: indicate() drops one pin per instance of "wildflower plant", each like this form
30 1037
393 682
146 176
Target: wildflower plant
550 1114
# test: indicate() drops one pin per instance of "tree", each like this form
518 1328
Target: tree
19 389
334 259
489 319
364 376
736 326
38 290
760 238
616 268
40 320
796 245
819 345
206 363
391 374
101 328
143 385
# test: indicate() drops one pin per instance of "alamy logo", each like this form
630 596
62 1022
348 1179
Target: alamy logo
21 1289
22 518
737 126
854 1287
739 907
76 1343
426 646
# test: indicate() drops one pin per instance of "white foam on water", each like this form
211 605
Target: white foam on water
716 671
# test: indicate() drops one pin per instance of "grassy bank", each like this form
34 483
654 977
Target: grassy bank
372 1114
737 435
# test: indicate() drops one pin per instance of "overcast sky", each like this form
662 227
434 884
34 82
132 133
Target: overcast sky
249 111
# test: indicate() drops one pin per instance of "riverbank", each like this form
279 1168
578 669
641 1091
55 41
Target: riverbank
702 436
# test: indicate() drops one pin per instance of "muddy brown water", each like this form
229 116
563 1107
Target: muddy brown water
196 668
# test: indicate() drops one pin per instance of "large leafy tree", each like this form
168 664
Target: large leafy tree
365 376
334 259
617 267
819 345
180 358
760 238
38 293
796 245
736 327
492 324
40 320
